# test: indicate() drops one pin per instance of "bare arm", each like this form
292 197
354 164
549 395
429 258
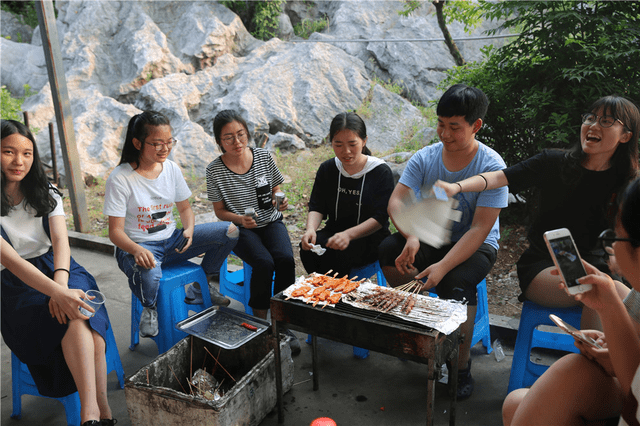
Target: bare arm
61 261
68 300
314 219
223 214
404 262
142 256
483 221
341 240
623 342
188 222
478 183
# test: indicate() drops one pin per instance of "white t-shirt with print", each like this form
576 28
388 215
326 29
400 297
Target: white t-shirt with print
25 230
145 203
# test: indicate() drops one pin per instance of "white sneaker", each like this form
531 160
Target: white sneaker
149 322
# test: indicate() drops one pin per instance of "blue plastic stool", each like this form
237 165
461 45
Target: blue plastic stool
237 284
481 326
170 304
22 383
524 372
366 271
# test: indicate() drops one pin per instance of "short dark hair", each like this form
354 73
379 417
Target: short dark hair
630 211
464 100
35 185
349 121
223 118
138 129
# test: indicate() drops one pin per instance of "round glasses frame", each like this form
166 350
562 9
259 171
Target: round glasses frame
605 121
241 137
159 146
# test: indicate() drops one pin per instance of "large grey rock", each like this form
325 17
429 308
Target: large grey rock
417 66
11 28
392 120
191 60
22 64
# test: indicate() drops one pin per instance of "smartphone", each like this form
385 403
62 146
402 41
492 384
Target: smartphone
182 244
567 259
568 328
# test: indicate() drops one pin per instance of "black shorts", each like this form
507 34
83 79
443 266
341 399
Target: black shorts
460 283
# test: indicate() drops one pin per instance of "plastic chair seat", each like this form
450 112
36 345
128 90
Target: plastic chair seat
237 284
22 383
481 325
170 304
524 372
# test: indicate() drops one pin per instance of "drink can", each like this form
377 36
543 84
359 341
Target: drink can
279 199
250 211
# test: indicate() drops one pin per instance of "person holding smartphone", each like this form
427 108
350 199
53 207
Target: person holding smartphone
597 384
140 196
577 189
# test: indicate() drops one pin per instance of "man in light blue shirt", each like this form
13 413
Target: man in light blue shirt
454 269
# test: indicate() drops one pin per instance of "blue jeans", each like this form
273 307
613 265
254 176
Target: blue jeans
267 250
209 238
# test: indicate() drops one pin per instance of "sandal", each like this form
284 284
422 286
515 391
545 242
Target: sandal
465 381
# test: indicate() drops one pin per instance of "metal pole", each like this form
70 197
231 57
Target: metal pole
64 119
54 160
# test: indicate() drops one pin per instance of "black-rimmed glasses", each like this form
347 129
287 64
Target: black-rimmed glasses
608 237
169 144
588 118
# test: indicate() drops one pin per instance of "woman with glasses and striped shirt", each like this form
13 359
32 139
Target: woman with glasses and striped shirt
140 197
242 184
577 190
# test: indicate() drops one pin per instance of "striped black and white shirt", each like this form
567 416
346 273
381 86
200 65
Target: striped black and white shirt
252 189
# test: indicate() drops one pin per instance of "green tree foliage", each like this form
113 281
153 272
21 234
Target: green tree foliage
259 17
9 105
568 54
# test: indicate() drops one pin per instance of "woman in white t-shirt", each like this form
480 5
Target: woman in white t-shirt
603 383
140 197
42 286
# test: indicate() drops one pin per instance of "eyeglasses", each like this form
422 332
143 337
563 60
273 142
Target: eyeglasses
169 144
241 137
588 118
608 236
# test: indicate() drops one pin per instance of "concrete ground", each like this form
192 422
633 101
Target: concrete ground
380 390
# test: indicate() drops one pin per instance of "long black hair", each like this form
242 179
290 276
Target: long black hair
139 128
624 160
35 185
222 119
349 121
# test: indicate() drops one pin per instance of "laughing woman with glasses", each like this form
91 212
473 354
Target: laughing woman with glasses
598 385
576 190
140 196
244 180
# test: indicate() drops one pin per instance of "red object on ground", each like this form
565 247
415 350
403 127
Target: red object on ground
323 421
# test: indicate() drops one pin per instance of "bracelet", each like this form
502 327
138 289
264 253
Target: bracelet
61 269
485 182
458 183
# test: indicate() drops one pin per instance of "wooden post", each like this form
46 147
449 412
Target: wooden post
54 160
64 119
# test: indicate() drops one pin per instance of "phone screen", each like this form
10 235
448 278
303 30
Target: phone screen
568 260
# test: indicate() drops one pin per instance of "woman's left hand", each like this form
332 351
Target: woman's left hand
56 312
339 241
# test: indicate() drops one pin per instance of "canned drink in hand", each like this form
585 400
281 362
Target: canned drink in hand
251 212
279 199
